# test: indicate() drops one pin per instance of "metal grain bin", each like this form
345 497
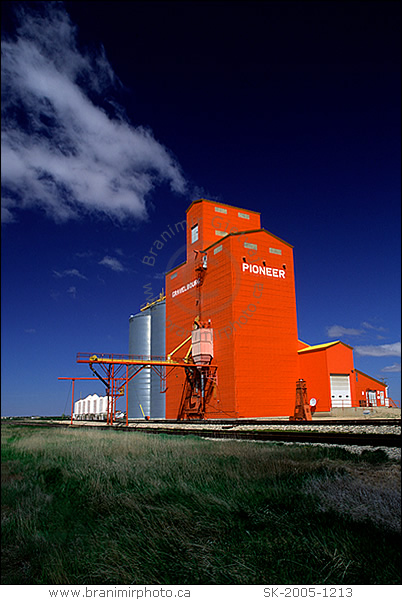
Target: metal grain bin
91 404
102 404
139 344
158 348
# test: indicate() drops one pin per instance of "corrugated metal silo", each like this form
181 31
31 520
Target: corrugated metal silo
102 407
139 344
158 348
95 405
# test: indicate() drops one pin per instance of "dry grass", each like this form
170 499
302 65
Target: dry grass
365 495
87 506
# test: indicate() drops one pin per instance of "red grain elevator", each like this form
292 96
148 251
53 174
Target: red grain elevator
240 278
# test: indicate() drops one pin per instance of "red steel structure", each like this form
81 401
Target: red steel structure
116 370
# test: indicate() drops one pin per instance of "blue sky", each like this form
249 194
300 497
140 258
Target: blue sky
116 115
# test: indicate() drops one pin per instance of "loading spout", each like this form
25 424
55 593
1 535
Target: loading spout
107 385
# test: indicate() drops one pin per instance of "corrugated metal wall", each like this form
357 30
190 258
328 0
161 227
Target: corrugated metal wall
147 338
158 325
139 389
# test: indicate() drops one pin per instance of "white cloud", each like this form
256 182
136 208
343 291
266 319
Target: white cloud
73 291
63 150
381 350
336 331
70 273
86 254
7 215
30 331
367 325
112 263
395 368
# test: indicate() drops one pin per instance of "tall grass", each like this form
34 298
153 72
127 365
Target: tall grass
110 507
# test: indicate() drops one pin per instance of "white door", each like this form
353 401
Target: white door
340 391
372 398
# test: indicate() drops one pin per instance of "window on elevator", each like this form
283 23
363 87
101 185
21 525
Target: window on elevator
194 233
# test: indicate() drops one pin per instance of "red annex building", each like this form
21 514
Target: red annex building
332 379
238 279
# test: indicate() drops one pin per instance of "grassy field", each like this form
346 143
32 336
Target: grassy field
109 507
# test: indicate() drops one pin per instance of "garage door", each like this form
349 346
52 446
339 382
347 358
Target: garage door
340 391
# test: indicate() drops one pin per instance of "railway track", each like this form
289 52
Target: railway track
345 439
229 423
299 434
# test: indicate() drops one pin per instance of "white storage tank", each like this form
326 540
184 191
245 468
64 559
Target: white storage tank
89 405
92 407
103 401
93 404
76 410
